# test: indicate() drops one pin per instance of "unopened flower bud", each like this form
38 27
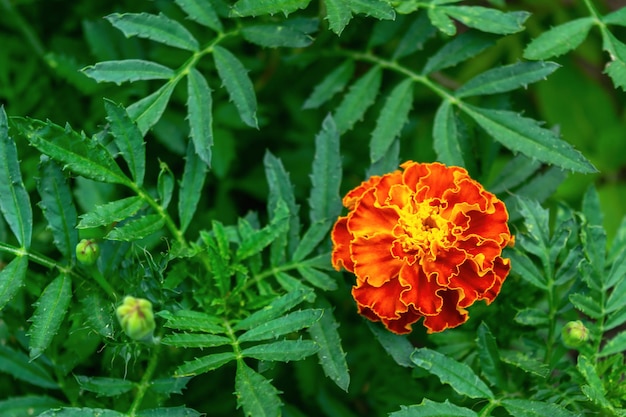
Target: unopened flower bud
87 251
574 333
136 318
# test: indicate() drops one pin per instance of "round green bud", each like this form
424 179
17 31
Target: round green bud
574 334
136 318
87 251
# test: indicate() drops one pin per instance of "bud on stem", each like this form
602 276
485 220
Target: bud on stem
136 318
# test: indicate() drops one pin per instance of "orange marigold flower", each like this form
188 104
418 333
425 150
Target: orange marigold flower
423 242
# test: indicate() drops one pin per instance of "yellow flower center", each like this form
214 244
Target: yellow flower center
423 230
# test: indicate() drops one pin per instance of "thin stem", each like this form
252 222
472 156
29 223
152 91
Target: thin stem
38 258
485 412
144 384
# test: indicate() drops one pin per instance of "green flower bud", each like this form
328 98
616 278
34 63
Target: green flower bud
574 334
136 318
87 252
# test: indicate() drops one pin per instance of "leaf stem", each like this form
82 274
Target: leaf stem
144 384
39 259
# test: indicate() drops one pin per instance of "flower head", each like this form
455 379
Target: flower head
423 242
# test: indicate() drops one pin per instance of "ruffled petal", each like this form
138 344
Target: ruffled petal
341 245
421 291
373 260
450 316
383 301
367 219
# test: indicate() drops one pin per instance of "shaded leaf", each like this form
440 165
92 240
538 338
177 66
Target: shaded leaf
12 278
331 356
446 136
28 404
191 185
334 82
529 408
274 36
429 408
276 308
194 340
201 12
169 412
525 363
616 345
18 365
397 346
260 7
256 240
488 20
376 8
81 412
311 239
137 229
255 394
128 70
338 13
108 387
291 322
147 111
318 278
324 200
461 48
204 364
194 321
359 98
200 114
283 351
165 185
109 213
559 40
128 139
489 356
169 385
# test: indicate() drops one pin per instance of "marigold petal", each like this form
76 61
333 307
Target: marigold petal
354 195
367 219
449 317
472 281
373 260
341 245
421 291
383 301
445 264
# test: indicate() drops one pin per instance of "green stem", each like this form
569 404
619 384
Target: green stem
39 259
146 379
486 412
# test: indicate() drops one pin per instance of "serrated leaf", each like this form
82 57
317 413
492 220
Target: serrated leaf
359 98
457 374
616 345
617 298
137 229
489 356
200 114
82 155
276 308
595 391
253 243
158 28
104 386
276 36
147 111
506 78
288 323
192 321
194 340
559 40
488 20
81 412
525 363
375 8
615 319
333 83
170 412
416 35
28 404
191 185
169 385
165 185
282 351
311 239
331 356
392 118
128 139
532 317
324 200
526 269
616 69
515 172
446 136
524 135
58 207
255 394
317 278
201 12
110 213
51 308
587 305
261 7
529 408
15 203
618 17
338 13
11 279
98 312
237 82
18 365
128 70
459 49
397 346
429 408
204 364
439 18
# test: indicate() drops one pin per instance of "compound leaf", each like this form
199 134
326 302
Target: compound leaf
260 7
331 355
194 340
338 13
559 40
461 48
286 324
137 229
324 200
529 408
488 20
108 387
276 308
191 185
147 111
283 350
109 213
204 364
358 99
12 278
255 394
446 137
333 83
200 114
274 36
126 70
429 408
201 12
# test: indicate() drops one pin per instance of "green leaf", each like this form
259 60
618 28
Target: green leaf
616 69
235 78
587 305
191 185
489 356
260 7
392 118
532 317
201 12
169 412
128 139
618 17
194 340
28 405
506 78
311 239
98 312
137 229
253 244
204 364
11 279
14 203
193 321
276 308
488 20
83 156
338 13
429 408
58 206
283 325
169 385
333 83
446 136
461 48
617 298
200 114
18 365
515 172
158 28
525 363
50 311
324 200
595 390
439 18
615 319
526 269
616 345
81 412
559 40
276 36
283 351
130 70
457 374
331 355
147 111
109 213
103 386
317 278
255 394
359 98
376 8
165 185
529 408
524 135
416 35
397 346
